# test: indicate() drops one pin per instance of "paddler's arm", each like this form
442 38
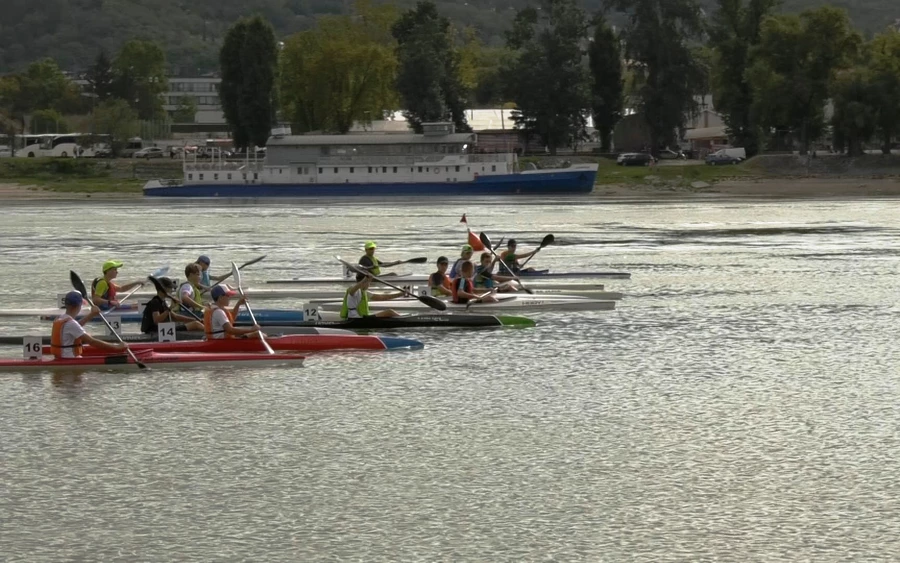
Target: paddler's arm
529 254
386 296
91 314
189 302
97 343
235 331
130 286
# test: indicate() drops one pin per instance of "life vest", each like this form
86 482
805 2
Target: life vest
454 270
445 283
362 309
56 339
509 258
481 280
195 297
207 322
104 290
375 269
468 287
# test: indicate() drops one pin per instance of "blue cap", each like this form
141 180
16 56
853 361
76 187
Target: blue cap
73 298
221 290
204 259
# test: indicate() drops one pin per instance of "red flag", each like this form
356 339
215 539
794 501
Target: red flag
463 220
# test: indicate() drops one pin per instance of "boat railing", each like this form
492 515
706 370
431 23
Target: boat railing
408 160
223 166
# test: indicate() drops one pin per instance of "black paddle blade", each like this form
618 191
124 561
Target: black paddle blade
157 285
549 239
485 240
420 260
432 302
77 283
254 261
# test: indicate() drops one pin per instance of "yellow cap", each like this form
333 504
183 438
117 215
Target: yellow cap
110 264
370 244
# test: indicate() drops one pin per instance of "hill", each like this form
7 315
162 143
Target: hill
73 31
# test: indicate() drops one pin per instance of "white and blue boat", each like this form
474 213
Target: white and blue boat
438 162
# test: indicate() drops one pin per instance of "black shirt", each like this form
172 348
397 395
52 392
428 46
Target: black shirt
155 305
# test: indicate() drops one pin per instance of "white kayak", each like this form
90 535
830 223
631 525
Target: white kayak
327 296
518 302
421 278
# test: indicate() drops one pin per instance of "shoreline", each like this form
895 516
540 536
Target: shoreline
772 187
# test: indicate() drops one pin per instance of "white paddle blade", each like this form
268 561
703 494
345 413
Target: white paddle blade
236 274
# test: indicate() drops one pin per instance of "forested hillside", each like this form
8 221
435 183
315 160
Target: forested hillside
73 31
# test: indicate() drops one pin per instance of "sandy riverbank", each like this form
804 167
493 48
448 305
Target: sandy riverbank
799 188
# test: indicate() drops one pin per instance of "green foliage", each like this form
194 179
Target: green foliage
855 114
734 33
186 110
548 80
480 70
48 121
101 77
248 61
140 77
884 63
116 118
428 78
341 72
657 38
795 61
608 83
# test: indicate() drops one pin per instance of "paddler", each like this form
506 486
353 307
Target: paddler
464 287
510 259
203 261
189 293
104 290
371 263
439 282
68 335
158 311
485 278
357 297
218 321
465 255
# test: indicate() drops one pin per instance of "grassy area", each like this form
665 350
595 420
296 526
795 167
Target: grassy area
610 173
68 175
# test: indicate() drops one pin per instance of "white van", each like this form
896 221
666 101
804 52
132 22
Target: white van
734 152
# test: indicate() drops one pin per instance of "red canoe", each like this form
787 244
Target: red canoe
151 359
291 343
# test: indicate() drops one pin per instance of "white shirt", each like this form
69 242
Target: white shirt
188 290
219 320
353 301
71 330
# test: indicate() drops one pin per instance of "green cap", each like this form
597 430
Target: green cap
370 244
110 264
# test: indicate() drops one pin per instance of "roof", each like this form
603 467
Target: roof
370 139
705 133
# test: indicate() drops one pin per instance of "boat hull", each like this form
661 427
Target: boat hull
545 182
507 303
152 359
297 343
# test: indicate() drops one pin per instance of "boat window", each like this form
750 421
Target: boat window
395 170
493 167
384 169
457 168
420 169
320 170
370 170
335 170
255 175
201 176
190 176
245 176
299 170
351 170
229 175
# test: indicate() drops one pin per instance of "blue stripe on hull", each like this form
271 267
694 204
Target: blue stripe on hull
263 316
564 182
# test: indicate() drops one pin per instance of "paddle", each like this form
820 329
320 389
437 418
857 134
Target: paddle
432 302
160 272
549 239
79 287
159 288
220 279
419 260
479 299
486 241
236 272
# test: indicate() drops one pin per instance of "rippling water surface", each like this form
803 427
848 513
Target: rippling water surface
741 404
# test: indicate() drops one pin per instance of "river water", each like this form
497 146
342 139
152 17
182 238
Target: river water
740 404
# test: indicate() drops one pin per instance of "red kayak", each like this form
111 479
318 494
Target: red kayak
151 359
292 343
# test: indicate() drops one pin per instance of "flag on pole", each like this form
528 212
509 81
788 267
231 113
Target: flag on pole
463 220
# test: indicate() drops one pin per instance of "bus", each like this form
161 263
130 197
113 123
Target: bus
71 145
29 146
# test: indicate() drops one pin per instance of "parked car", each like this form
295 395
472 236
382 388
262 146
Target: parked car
669 154
721 157
635 159
103 152
5 151
149 152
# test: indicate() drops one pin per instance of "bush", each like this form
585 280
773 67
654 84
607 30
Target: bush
25 167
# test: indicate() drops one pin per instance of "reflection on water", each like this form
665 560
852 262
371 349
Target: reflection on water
739 405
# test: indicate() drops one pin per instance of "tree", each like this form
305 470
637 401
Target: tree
657 45
186 110
480 69
140 77
342 72
607 82
884 63
48 121
855 113
101 78
116 118
547 80
789 96
248 61
428 79
734 33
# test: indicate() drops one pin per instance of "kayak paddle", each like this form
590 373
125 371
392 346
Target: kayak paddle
160 272
549 239
236 272
432 302
220 279
159 287
486 241
419 260
79 287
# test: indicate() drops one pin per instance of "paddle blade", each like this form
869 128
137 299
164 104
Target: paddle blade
420 260
236 274
485 240
160 272
549 239
254 261
77 283
157 284
432 302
